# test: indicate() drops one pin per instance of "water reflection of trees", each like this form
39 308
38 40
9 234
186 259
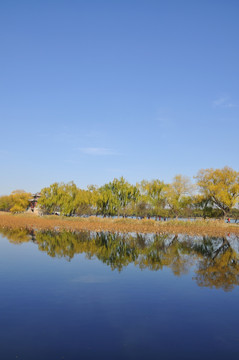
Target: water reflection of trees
219 265
214 260
15 236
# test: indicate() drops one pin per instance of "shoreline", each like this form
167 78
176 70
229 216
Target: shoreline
53 222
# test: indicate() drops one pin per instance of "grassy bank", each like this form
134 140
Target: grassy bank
198 227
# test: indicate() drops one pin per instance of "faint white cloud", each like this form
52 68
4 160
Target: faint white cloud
99 151
223 102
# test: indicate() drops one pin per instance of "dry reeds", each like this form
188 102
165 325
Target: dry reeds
197 227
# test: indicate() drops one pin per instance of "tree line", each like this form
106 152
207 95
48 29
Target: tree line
215 193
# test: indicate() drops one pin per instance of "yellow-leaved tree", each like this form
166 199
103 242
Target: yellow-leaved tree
178 194
220 186
20 201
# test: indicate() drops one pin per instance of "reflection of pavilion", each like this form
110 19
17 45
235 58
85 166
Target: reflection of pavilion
33 202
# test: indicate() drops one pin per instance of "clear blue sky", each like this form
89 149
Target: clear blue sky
92 90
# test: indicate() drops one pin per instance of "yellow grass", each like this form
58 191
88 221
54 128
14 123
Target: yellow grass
198 227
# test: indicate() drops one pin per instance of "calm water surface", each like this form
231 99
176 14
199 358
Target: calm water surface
93 296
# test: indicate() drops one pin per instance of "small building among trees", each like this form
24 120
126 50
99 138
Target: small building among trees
33 202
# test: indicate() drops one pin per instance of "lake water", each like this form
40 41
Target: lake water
92 296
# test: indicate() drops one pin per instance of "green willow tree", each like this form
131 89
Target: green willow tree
115 197
66 199
125 194
154 194
106 201
50 200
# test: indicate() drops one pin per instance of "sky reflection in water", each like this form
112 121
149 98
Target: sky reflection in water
167 297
